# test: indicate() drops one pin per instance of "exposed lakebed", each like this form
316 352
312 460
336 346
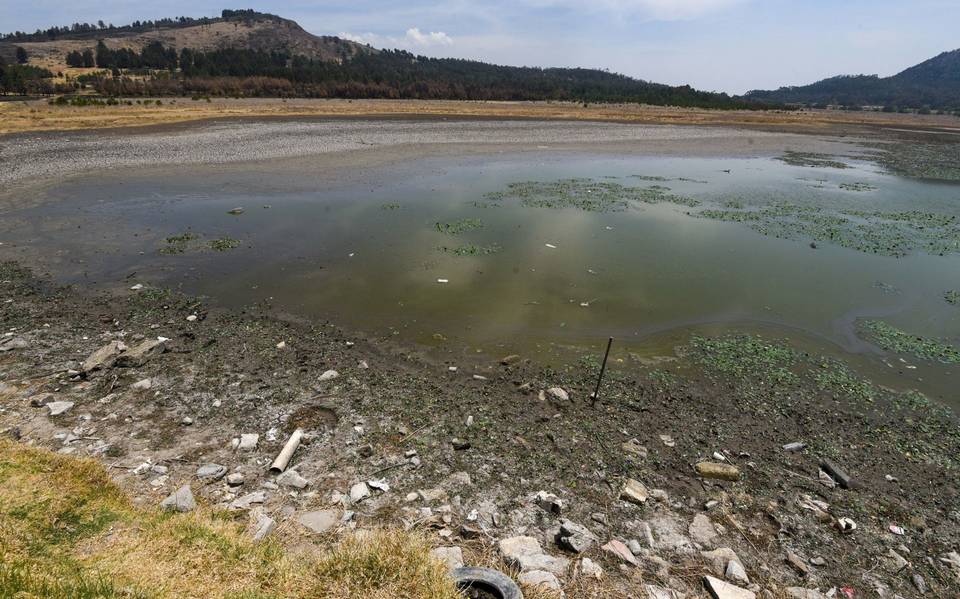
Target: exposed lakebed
547 253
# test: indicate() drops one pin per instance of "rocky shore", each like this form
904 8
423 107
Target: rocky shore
691 481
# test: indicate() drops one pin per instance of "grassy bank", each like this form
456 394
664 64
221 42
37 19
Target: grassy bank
67 531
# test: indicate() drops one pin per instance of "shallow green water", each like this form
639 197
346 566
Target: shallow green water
533 276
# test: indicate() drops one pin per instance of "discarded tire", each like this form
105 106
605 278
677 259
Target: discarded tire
487 580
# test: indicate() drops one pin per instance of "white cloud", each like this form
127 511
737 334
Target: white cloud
414 39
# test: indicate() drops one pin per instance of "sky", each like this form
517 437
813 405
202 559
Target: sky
716 45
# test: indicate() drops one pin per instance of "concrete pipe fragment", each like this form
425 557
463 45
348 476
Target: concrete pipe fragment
487 580
280 464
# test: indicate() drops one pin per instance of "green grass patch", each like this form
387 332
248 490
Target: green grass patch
224 244
811 159
588 195
460 226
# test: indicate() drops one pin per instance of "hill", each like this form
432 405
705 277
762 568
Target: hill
235 29
934 84
246 53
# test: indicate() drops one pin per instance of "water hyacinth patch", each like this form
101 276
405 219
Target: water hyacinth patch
893 339
587 194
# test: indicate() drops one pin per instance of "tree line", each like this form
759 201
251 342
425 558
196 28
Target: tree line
393 74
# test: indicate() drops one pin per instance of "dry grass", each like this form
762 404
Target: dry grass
66 531
17 117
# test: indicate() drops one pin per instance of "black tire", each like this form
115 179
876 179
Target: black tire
485 579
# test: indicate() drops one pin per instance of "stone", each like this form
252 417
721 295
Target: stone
379 485
211 472
58 408
836 473
539 579
718 560
248 500
795 446
432 495
460 444
798 564
41 399
234 479
549 502
718 471
818 561
248 441
141 353
526 554
292 479
895 562
633 449
319 521
719 589
328 375
634 546
263 527
451 556
634 491
180 500
802 593
919 583
702 530
590 568
575 537
558 393
142 385
665 532
14 343
359 492
511 359
105 357
619 550
736 572
658 592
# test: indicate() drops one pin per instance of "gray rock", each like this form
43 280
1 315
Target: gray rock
58 408
736 573
248 441
665 530
526 554
13 343
359 492
718 560
248 500
702 530
590 568
234 479
541 580
142 385
802 593
634 546
180 500
575 537
451 556
319 521
141 353
263 527
634 491
549 502
658 592
432 495
211 472
105 357
558 393
328 375
633 449
292 479
724 590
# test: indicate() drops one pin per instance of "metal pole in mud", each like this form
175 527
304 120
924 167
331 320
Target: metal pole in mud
603 367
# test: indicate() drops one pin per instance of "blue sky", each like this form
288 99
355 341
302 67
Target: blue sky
723 45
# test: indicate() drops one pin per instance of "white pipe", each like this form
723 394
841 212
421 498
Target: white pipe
280 464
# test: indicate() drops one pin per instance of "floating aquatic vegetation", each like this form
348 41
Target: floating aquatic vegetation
471 250
460 226
952 297
390 206
649 178
224 244
746 357
734 204
884 233
811 159
586 194
177 244
857 186
893 339
918 160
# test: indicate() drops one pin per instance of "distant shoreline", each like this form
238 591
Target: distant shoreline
38 115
